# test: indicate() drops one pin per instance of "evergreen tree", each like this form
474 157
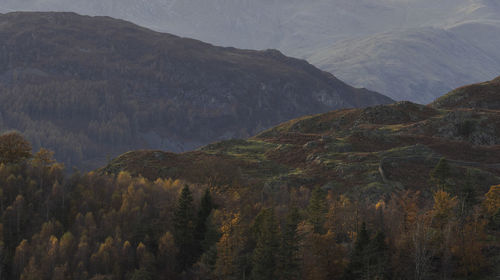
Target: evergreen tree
467 198
184 229
264 258
440 174
359 259
317 210
379 258
289 259
200 232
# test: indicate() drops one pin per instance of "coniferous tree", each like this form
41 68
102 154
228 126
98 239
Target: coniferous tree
440 175
317 210
379 257
200 232
467 198
184 229
264 257
359 259
289 259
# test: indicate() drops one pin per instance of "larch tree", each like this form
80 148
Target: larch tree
14 148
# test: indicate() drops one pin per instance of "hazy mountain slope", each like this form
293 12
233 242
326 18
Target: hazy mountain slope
365 152
416 65
312 30
87 87
483 34
285 24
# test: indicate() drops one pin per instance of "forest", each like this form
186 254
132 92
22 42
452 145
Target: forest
102 226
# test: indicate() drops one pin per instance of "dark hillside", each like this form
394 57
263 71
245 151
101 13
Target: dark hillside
88 87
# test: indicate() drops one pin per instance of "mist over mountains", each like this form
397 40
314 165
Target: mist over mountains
356 40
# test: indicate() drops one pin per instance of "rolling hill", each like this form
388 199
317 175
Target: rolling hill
95 87
368 152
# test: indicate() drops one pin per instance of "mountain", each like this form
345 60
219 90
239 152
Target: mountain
417 64
88 87
368 152
408 49
283 24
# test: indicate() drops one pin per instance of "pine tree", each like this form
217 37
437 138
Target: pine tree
467 198
359 259
264 258
317 210
200 232
440 175
184 229
379 257
289 259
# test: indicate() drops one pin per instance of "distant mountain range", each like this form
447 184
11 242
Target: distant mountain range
417 64
95 87
366 153
408 49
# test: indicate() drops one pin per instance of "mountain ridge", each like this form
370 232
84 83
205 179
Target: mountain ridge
330 32
86 86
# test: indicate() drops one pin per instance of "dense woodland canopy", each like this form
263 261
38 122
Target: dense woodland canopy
98 226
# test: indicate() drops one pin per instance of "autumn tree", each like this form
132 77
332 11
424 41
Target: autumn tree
491 206
14 148
230 248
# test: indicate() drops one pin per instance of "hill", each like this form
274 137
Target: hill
418 64
484 95
370 152
407 49
88 87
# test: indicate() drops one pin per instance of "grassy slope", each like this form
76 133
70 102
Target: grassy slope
371 151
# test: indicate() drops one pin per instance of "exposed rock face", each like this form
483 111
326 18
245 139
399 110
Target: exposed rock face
91 86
